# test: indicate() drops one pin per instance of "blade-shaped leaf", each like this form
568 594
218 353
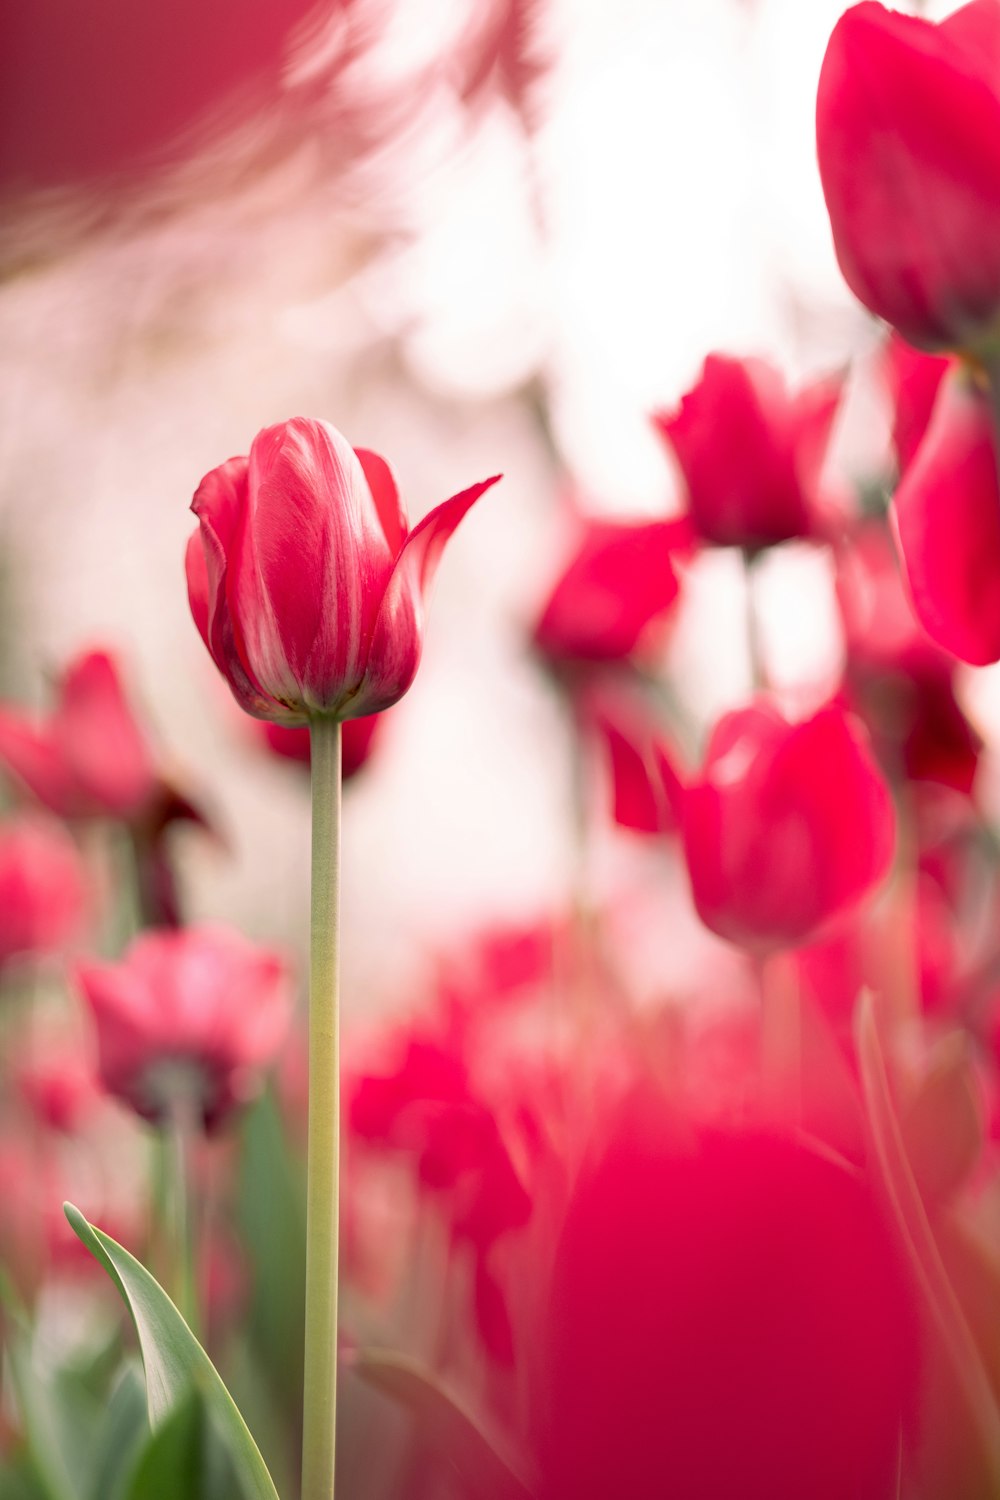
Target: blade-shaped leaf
172 1357
184 1457
481 1459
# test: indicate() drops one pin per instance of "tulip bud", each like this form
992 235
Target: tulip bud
788 826
43 894
200 1010
306 585
750 453
908 136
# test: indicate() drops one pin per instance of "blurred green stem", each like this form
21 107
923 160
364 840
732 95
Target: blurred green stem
323 1168
177 1145
755 645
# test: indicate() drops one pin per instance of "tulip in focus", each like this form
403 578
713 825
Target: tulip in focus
618 587
908 137
43 893
787 826
305 583
200 1010
751 454
947 518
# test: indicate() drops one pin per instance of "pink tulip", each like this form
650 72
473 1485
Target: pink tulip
200 1010
305 583
947 517
43 894
617 588
751 454
787 826
89 757
908 136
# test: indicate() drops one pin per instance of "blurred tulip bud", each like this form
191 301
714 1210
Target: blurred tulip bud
787 826
908 136
751 454
192 1015
307 588
90 757
646 789
43 892
946 512
618 585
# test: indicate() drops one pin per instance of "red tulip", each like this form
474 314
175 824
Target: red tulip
90 757
306 585
645 786
787 826
947 517
908 135
291 742
750 453
727 1316
43 894
913 379
200 1010
619 584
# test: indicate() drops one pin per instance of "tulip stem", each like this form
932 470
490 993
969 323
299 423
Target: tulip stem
755 644
323 1168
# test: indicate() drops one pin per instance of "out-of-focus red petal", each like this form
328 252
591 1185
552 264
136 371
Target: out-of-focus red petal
101 738
946 512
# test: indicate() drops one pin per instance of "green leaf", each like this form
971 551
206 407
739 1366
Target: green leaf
173 1359
483 1460
184 1457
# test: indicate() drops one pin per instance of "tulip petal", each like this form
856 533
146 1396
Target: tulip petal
908 137
947 518
35 759
103 744
385 493
397 639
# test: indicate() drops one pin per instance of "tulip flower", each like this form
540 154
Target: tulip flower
43 893
913 379
908 136
727 1316
308 589
618 586
645 785
787 826
947 517
89 757
751 454
198 1013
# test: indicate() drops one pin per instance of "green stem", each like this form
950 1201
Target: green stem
179 1134
323 1169
755 645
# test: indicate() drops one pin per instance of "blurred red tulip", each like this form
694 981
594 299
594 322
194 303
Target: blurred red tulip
913 379
728 1316
908 135
787 826
947 517
897 679
198 1013
751 454
291 742
57 1083
619 583
645 785
304 582
90 757
43 892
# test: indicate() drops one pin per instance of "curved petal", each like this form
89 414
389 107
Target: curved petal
947 519
397 639
100 737
908 137
36 760
385 493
